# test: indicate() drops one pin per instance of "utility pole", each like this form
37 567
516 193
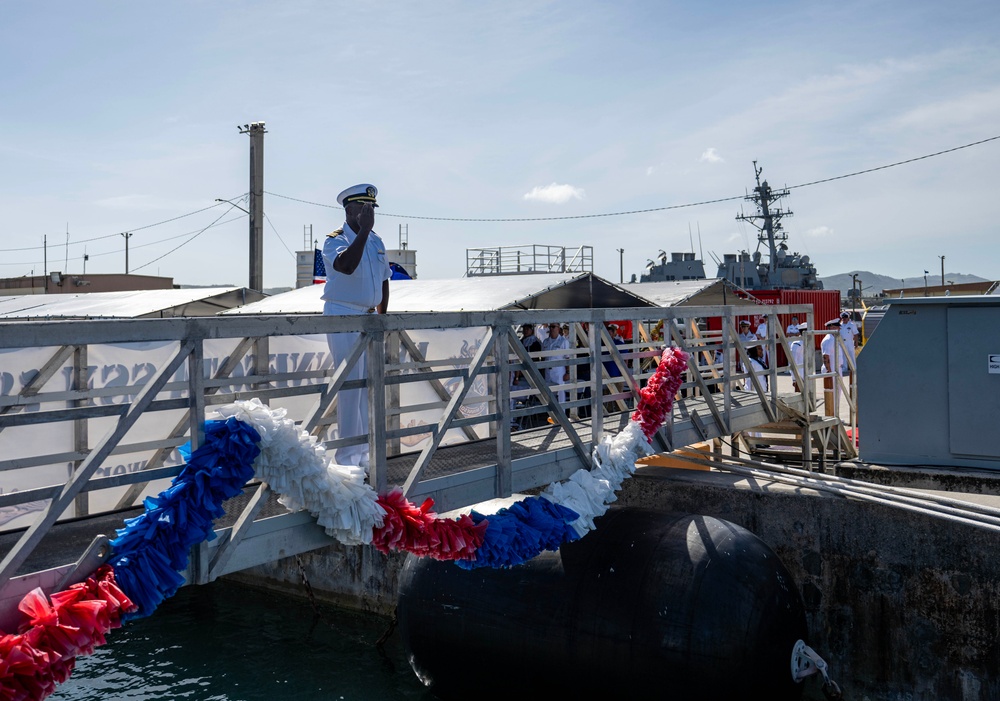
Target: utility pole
256 131
855 295
621 265
127 236
942 270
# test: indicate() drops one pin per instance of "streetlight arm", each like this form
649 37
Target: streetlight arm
233 204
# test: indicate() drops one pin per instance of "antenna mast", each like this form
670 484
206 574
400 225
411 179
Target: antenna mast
769 230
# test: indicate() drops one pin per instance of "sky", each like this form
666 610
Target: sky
122 117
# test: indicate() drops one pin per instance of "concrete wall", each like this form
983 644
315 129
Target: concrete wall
902 606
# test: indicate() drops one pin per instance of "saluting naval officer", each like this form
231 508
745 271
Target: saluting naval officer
357 282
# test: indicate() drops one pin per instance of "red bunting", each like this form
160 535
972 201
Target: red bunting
57 630
421 532
656 399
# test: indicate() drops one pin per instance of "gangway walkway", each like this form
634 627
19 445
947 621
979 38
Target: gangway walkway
441 405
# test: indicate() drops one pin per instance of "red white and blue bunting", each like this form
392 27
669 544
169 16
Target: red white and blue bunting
250 439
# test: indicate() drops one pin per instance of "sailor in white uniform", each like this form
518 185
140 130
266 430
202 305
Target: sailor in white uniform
849 332
793 328
556 375
357 282
797 351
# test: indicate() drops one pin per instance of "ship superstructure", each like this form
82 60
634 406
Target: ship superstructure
783 270
681 266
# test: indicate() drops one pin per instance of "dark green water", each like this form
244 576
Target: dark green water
226 642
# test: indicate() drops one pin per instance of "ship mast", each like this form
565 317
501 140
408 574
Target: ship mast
769 229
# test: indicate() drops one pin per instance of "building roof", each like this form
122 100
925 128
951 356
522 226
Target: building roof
133 304
486 293
686 293
984 287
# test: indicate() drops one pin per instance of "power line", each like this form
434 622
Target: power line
653 209
134 247
279 237
524 219
119 233
176 248
893 165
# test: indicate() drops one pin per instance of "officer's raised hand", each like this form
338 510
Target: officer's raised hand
366 219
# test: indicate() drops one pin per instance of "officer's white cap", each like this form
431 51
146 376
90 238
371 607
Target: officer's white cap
364 192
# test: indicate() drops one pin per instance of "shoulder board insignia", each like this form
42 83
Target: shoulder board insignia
338 232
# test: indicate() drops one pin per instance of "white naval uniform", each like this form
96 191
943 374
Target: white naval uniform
757 369
358 293
847 332
797 350
828 347
555 375
761 334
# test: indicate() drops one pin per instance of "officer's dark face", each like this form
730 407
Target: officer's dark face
353 213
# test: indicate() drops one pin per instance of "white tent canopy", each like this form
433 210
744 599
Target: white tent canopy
686 293
132 304
535 291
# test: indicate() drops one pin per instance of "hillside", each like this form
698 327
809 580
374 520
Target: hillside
873 283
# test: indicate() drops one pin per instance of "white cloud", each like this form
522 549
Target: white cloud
820 232
972 108
711 156
554 193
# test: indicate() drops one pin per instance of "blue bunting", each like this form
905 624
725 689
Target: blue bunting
522 531
153 548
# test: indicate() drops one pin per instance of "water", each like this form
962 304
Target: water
224 642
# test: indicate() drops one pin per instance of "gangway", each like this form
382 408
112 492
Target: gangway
91 414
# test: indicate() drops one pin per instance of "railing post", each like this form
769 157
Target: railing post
597 386
375 358
728 368
261 359
196 393
81 436
393 356
772 353
501 360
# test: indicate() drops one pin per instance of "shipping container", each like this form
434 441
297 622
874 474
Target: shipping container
825 303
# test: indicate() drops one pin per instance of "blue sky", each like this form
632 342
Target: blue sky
120 115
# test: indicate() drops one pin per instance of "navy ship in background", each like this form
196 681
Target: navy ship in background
783 270
681 266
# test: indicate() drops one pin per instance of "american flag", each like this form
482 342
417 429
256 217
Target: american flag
319 270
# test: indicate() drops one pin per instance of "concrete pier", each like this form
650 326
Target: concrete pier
901 605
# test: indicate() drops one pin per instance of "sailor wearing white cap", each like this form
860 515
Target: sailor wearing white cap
357 282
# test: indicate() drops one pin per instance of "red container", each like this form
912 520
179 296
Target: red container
825 303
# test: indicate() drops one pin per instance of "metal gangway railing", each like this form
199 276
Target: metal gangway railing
92 412
530 258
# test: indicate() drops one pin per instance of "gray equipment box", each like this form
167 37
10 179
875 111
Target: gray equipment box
929 384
